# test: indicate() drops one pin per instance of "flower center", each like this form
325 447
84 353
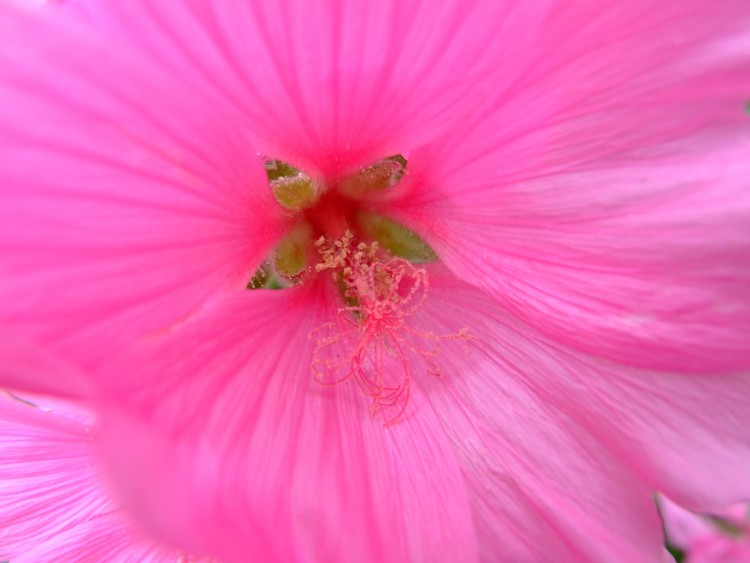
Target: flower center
375 264
317 209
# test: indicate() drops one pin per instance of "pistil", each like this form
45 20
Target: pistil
382 296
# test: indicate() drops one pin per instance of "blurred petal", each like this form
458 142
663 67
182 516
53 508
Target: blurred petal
681 526
721 550
53 503
27 366
705 540
237 452
118 217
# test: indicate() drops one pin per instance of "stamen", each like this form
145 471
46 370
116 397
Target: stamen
289 261
265 278
292 188
276 169
291 256
395 237
381 297
378 176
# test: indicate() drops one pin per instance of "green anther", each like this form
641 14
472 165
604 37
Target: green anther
276 169
261 276
293 189
266 278
295 193
292 256
396 238
378 176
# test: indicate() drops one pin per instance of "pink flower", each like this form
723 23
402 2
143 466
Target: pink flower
54 505
580 170
723 537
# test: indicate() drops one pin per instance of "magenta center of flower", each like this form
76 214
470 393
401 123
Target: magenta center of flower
377 268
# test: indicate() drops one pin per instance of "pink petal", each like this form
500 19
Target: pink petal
543 486
682 527
584 440
604 199
28 366
231 448
658 279
53 503
126 197
684 434
692 442
720 550
330 84
704 541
